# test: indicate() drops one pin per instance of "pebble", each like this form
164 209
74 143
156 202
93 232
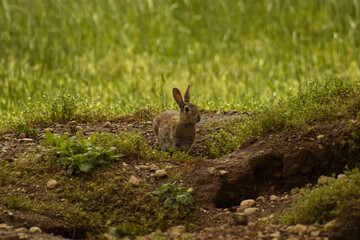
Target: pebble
320 137
223 172
260 199
240 219
249 211
35 230
298 228
191 190
323 180
342 177
176 231
274 198
52 183
330 225
20 230
4 226
134 181
159 174
144 167
107 125
247 203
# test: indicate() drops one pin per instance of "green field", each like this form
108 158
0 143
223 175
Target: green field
130 53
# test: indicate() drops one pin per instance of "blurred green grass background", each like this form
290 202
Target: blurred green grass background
130 53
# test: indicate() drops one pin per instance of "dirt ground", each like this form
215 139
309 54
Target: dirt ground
277 164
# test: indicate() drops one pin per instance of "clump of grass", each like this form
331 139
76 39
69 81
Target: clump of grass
323 203
15 201
134 147
334 99
62 108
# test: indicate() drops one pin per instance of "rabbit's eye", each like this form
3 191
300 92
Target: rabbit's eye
187 109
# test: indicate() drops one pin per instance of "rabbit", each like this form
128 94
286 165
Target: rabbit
176 130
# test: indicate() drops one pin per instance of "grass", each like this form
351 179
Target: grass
317 101
323 203
130 54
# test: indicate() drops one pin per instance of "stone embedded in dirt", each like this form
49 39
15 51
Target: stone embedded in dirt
315 233
177 231
274 198
223 172
323 180
260 199
144 167
134 181
240 219
342 177
27 140
319 137
249 211
330 225
159 174
211 170
275 234
247 203
22 135
5 226
20 230
52 183
35 230
107 125
298 228
191 190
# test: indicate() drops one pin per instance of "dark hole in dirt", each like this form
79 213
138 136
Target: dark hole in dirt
72 233
264 177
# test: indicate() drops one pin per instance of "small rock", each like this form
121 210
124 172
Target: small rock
27 140
260 199
240 219
22 135
247 203
52 183
275 234
261 235
4 226
319 137
323 180
20 230
176 231
35 230
330 224
191 190
211 170
251 224
315 233
298 228
134 181
274 198
250 211
144 167
342 177
159 174
223 172
18 174
311 228
107 125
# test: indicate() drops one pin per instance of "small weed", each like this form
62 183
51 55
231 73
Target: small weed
29 131
323 203
79 154
174 197
14 201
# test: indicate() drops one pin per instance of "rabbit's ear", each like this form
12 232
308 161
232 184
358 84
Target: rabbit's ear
178 98
187 95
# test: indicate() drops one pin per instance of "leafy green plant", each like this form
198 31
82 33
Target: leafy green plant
79 154
174 197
